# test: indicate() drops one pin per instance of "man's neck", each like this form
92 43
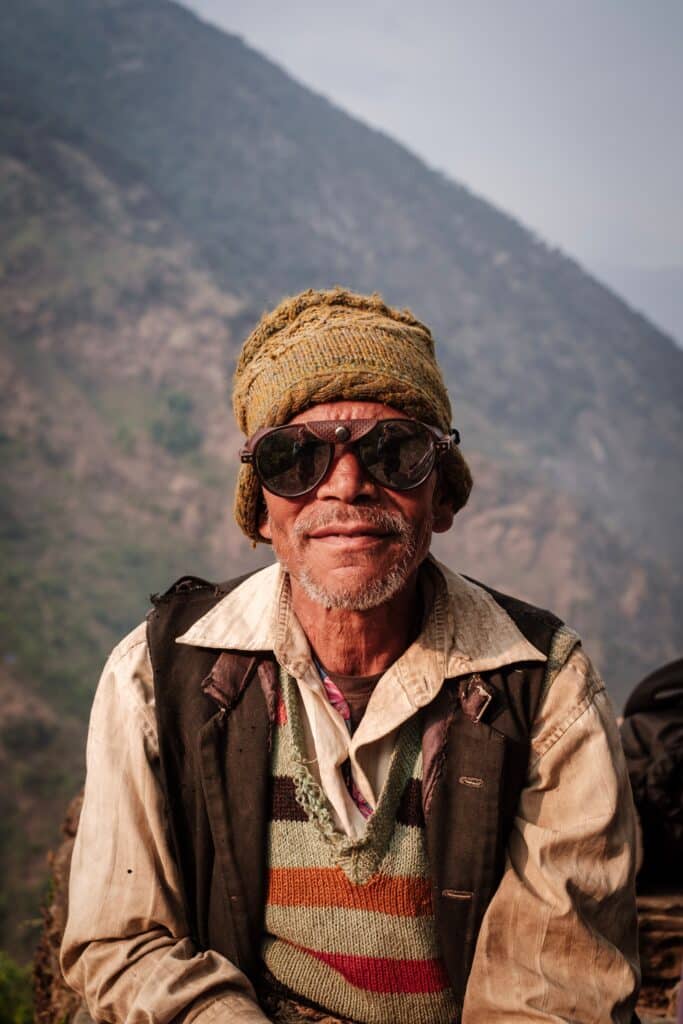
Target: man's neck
356 643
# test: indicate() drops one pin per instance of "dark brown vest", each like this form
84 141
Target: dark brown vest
215 711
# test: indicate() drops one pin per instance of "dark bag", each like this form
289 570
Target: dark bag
652 735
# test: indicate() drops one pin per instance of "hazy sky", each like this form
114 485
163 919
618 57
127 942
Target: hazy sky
565 113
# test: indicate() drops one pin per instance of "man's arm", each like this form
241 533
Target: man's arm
559 941
125 947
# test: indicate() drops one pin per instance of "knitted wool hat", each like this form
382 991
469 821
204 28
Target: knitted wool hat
328 346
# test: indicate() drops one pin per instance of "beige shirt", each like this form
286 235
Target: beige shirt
558 941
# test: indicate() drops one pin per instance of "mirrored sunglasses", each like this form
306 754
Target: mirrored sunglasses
396 453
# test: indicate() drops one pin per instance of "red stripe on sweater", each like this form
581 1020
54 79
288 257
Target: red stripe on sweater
382 974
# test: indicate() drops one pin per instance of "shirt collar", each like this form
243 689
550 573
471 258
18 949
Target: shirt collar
474 633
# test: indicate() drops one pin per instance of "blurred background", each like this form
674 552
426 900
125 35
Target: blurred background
511 171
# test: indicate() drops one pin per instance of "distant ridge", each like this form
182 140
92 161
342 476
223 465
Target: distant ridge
655 292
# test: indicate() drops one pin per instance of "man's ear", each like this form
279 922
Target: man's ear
263 521
442 510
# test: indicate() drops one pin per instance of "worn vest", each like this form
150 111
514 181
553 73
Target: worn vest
215 713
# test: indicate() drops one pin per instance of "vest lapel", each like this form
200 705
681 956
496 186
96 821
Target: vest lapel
464 770
235 769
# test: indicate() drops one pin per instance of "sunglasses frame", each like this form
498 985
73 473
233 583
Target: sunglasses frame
346 432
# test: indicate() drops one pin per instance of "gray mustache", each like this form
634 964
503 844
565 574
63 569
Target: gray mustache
380 519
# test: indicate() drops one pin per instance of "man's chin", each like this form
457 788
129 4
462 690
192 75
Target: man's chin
353 591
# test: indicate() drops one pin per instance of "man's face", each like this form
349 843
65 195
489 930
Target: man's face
351 543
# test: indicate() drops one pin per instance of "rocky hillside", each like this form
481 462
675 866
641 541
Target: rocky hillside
160 184
280 190
117 461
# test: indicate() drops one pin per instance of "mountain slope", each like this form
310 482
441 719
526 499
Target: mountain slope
280 191
116 445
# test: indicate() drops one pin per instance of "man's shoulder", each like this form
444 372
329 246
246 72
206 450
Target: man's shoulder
185 590
126 679
536 623
467 595
186 601
189 588
541 627
131 645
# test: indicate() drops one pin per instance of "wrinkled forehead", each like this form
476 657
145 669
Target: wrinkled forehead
349 409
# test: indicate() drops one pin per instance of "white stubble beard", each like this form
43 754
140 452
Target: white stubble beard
379 590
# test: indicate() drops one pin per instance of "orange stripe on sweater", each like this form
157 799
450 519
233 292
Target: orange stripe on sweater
400 896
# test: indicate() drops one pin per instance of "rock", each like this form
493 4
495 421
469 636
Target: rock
55 1002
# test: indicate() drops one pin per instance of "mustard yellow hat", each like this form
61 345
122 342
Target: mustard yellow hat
328 346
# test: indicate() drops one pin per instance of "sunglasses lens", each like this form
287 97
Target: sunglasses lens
399 454
290 463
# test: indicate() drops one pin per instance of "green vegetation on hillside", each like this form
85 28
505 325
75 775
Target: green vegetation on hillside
16 998
90 292
175 430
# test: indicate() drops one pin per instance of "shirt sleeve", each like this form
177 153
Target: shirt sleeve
126 948
559 939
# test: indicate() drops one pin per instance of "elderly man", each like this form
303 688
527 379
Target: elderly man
354 786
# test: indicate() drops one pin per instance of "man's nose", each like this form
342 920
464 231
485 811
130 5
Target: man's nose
346 480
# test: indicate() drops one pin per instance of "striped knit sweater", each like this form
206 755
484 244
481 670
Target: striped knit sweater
349 923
